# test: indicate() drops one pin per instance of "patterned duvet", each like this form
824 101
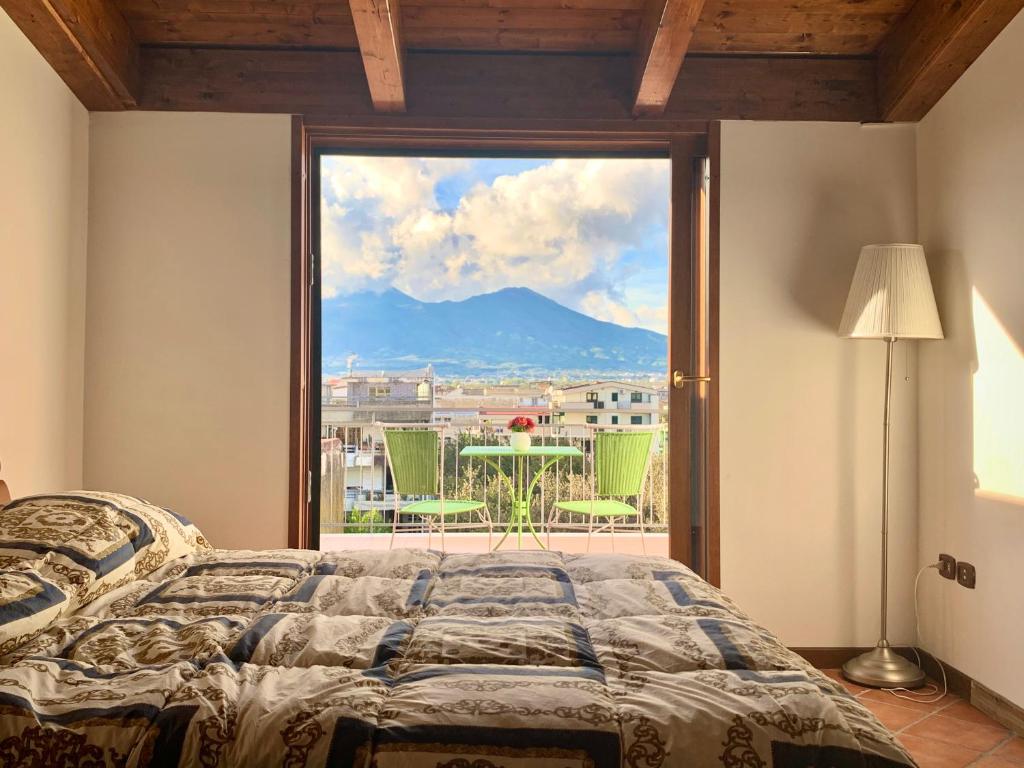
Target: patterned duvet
414 658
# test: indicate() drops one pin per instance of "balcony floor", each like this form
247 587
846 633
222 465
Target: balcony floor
627 543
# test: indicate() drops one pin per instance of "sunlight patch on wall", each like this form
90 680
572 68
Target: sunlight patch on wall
998 407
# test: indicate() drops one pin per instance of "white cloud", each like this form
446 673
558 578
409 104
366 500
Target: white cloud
653 317
562 228
599 305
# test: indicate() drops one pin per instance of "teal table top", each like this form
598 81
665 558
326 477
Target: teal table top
566 451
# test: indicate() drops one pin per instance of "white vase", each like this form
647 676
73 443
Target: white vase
520 441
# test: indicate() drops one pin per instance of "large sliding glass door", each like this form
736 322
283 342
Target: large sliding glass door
456 291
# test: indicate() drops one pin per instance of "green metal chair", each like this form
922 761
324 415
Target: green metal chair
417 469
619 469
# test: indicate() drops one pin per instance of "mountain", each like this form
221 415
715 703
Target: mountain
511 332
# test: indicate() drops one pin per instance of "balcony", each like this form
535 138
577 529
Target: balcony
357 502
370 401
610 405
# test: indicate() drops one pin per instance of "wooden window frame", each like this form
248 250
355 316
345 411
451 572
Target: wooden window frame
681 141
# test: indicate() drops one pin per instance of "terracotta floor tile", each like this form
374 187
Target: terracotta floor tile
893 717
1013 750
934 754
962 710
994 761
959 732
918 706
837 675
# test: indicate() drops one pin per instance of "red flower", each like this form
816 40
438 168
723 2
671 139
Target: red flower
522 424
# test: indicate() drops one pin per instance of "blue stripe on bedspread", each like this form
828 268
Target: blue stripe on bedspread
731 655
418 593
245 646
678 591
47 597
130 712
100 566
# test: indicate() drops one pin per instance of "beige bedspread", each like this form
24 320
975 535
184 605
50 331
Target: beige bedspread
410 658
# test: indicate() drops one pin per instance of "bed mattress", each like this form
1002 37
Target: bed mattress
415 658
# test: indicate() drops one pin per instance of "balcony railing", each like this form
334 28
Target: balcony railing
358 401
608 405
356 492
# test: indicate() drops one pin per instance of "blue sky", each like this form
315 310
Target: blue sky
591 234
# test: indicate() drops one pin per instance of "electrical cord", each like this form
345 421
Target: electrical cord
906 693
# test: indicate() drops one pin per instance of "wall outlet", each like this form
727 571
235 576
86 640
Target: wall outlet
947 566
965 576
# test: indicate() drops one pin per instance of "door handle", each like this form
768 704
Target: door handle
679 380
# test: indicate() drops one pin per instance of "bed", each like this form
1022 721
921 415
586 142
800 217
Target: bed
127 640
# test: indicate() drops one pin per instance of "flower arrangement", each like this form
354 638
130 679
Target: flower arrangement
521 424
520 427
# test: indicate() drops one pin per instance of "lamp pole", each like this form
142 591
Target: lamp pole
890 343
882 667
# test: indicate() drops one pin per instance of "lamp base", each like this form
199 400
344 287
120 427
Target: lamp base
882 667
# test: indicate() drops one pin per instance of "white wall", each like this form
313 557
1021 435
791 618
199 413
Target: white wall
44 137
802 408
971 181
187 356
183 406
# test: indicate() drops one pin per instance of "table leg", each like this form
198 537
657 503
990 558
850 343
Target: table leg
522 505
496 466
529 495
521 494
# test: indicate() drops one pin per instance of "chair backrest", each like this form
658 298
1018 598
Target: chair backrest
413 454
620 462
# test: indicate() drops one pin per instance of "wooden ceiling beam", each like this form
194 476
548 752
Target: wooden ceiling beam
379 31
665 33
88 43
931 48
508 87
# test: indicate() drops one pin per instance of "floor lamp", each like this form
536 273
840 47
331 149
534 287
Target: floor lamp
891 298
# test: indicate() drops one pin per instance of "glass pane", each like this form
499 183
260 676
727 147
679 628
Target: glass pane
459 293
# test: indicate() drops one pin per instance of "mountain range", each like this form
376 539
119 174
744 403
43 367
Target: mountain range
514 332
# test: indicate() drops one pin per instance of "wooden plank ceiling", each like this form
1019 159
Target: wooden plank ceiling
638 60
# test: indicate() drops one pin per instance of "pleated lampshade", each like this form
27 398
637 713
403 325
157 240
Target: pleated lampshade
891 296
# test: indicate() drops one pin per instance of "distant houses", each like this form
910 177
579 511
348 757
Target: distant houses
353 403
606 404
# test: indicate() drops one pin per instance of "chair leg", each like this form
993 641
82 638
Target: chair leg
643 541
611 523
590 530
430 533
394 530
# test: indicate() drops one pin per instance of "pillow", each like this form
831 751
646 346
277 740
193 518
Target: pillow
70 540
157 534
29 603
